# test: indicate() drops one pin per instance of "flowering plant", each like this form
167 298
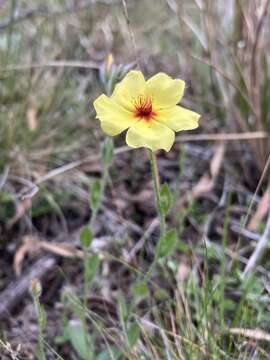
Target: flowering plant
148 109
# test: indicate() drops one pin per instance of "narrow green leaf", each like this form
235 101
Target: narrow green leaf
166 199
92 267
79 340
64 337
42 317
111 353
95 195
140 289
167 243
107 151
86 236
123 310
133 334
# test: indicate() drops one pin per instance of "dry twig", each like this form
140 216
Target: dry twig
260 247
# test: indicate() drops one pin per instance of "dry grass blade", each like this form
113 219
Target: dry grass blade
262 210
204 186
260 247
255 334
32 244
207 181
217 160
65 250
224 137
52 64
262 178
31 118
21 209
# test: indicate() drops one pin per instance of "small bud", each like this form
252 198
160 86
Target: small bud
111 73
35 288
109 62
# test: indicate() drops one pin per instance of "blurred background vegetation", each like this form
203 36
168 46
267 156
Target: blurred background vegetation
209 299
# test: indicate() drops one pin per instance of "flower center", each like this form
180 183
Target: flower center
143 107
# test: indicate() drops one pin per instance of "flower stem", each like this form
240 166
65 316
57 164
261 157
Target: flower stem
162 220
39 310
86 284
35 290
103 183
156 183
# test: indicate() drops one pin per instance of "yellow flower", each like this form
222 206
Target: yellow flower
147 109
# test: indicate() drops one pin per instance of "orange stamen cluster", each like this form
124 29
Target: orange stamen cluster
143 107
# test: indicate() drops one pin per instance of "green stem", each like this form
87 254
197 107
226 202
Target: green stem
85 297
162 220
156 182
40 315
103 183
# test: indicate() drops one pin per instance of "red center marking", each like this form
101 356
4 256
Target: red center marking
143 107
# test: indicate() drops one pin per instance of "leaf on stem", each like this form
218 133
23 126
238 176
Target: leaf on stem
92 267
86 236
166 199
107 151
167 243
95 195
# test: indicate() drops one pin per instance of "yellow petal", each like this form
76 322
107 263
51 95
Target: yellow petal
111 128
114 118
132 86
178 118
152 135
164 90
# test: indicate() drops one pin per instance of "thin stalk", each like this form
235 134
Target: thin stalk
223 263
156 183
10 30
162 220
40 315
103 183
95 210
85 297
